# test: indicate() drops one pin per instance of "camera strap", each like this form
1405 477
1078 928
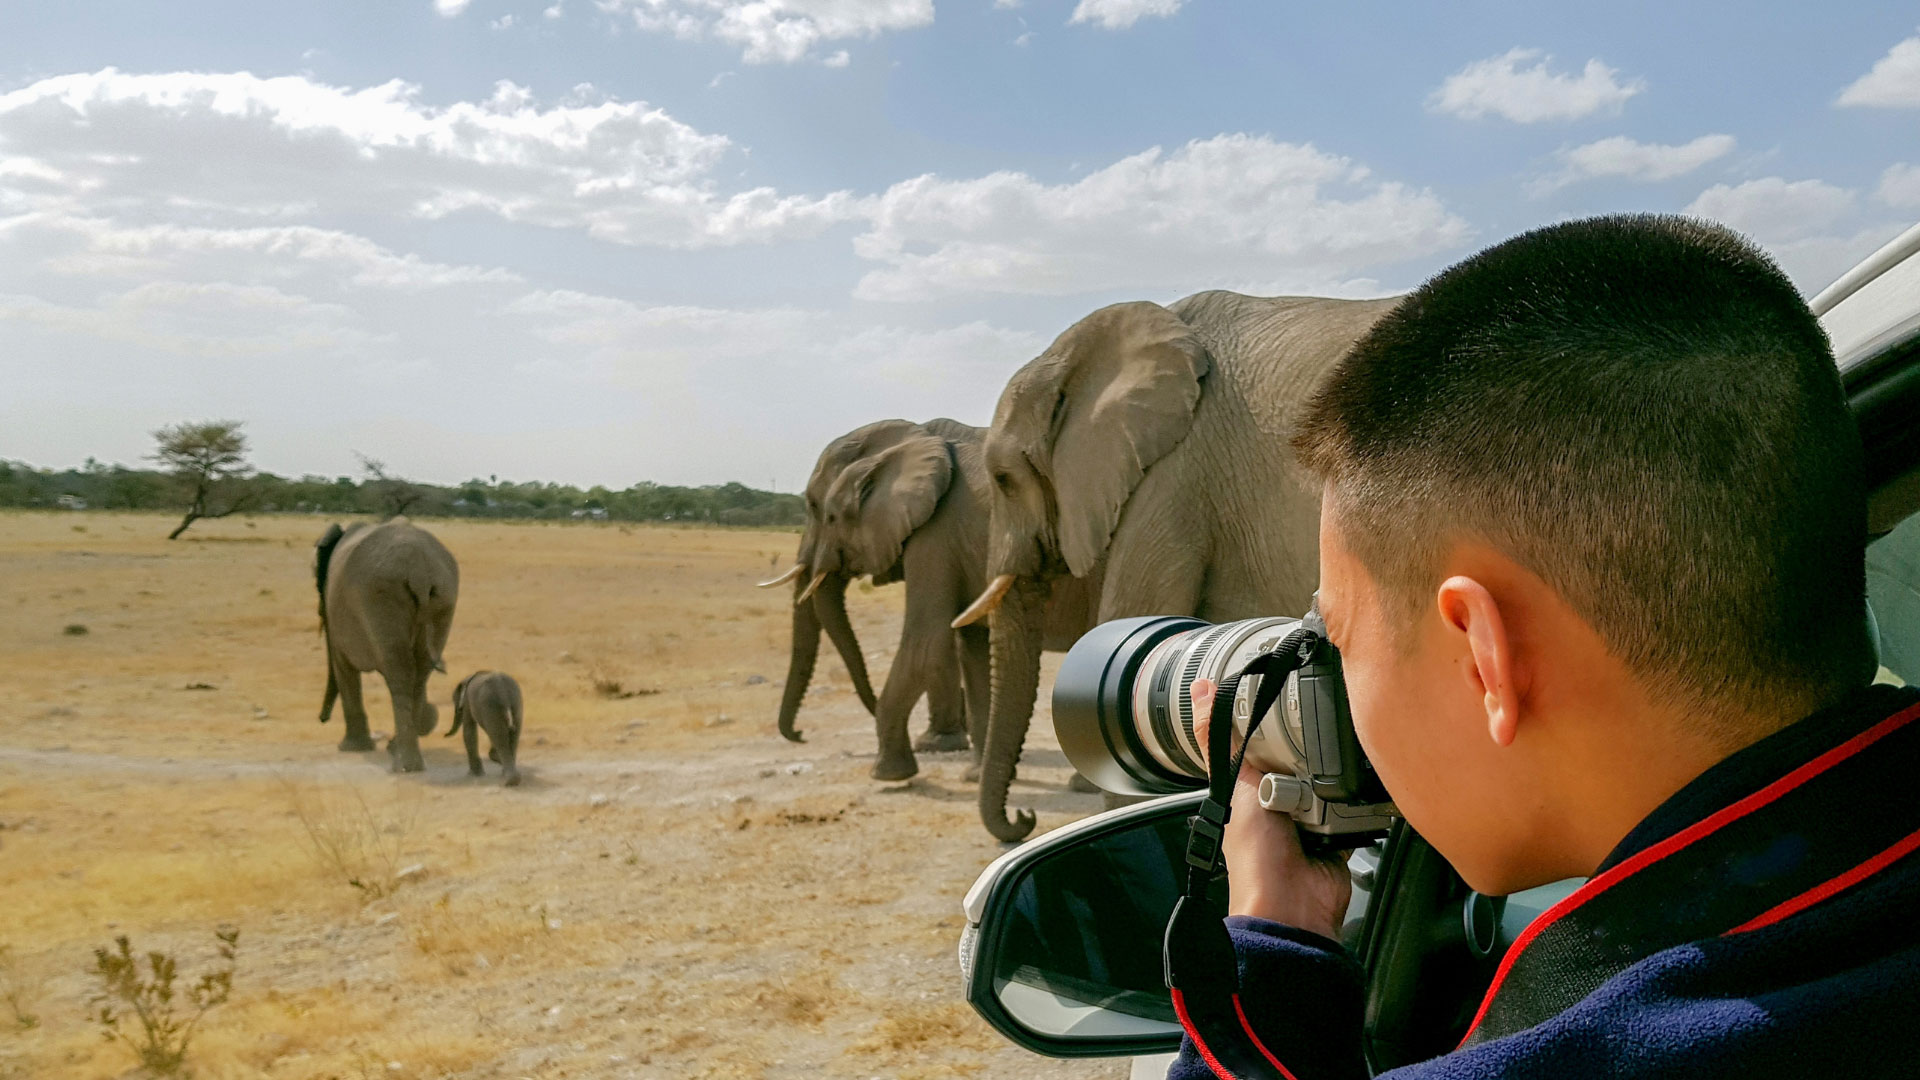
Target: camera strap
1199 962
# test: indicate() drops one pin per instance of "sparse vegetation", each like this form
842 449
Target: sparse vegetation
115 487
129 994
350 840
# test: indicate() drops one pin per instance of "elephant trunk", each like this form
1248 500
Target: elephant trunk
830 606
1016 679
806 650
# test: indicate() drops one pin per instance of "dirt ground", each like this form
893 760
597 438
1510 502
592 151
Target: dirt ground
674 892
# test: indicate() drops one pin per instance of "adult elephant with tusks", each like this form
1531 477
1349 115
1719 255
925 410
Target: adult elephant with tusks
897 501
387 593
1152 441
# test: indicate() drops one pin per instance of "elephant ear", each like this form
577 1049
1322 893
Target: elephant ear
884 497
1108 398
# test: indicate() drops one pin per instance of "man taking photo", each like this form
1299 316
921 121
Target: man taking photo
1592 548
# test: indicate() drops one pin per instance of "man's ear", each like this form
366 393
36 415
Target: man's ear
1469 609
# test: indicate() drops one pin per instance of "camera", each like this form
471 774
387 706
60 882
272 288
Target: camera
1123 711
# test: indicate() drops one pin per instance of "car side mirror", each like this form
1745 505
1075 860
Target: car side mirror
1062 948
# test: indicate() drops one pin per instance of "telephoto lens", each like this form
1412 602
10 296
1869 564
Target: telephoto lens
1123 711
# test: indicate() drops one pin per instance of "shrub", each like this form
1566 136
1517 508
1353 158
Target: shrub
166 1016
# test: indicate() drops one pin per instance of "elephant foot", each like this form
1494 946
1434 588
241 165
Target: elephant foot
475 770
942 742
1082 784
900 768
512 780
406 758
356 743
493 756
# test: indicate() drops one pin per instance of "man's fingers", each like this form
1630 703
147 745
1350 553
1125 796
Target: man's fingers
1202 694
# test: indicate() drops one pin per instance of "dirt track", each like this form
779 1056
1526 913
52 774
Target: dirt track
675 891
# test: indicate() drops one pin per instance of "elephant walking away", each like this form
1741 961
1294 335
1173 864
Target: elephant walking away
387 593
490 701
899 501
1152 442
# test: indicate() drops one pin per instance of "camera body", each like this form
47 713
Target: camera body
1123 711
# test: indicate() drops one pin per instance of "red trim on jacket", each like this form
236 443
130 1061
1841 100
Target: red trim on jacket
1826 889
1702 828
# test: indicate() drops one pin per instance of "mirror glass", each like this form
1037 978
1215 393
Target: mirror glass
1079 953
1078 936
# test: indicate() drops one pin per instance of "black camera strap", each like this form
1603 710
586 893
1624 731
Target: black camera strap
1200 966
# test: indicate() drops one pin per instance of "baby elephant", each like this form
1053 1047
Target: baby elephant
491 700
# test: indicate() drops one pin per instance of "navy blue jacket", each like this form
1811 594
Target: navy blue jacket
1826 984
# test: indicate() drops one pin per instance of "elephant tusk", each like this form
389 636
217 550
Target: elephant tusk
996 591
792 572
807 593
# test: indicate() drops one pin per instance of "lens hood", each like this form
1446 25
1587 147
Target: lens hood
1093 706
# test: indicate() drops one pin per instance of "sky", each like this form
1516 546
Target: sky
691 241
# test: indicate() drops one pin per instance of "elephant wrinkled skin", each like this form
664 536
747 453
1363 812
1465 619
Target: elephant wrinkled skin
1146 451
387 594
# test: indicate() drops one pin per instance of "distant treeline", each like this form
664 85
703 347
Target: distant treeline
115 487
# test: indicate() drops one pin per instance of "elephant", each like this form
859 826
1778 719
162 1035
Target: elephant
902 501
1148 445
490 700
387 594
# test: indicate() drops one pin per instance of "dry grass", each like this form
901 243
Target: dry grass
674 891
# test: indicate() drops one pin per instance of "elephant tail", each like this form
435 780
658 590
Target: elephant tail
322 557
423 636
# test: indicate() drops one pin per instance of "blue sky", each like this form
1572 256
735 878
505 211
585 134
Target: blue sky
602 241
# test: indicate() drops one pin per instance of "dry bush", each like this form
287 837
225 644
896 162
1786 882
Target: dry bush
166 1017
351 840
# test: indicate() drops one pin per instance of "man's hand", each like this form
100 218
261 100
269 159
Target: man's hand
1269 875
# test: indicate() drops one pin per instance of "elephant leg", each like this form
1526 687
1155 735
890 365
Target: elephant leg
905 683
976 666
505 738
946 707
353 709
471 736
409 691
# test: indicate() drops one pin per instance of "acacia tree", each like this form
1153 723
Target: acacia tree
395 495
210 459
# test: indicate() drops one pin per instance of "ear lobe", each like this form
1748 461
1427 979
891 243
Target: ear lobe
890 494
1108 398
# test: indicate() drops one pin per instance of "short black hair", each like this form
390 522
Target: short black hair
1641 410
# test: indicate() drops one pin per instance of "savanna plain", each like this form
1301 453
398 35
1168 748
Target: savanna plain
674 891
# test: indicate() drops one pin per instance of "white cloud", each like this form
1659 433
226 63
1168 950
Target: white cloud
1502 86
448 9
1900 186
170 144
1624 158
1811 227
1230 211
1773 210
98 248
770 31
1121 14
1893 82
504 22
